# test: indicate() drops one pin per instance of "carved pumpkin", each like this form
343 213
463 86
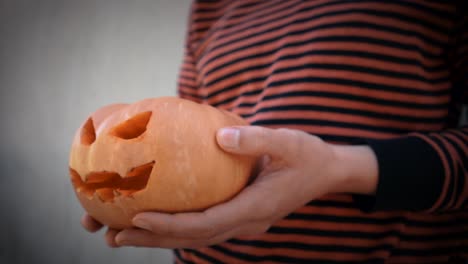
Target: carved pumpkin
154 155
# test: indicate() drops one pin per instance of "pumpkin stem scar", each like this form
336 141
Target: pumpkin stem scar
108 185
88 133
133 127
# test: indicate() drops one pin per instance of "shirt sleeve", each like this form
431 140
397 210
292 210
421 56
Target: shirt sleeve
187 81
427 172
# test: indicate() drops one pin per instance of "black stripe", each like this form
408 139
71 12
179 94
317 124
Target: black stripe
339 138
318 122
431 11
272 8
358 98
368 235
376 221
217 9
463 133
327 203
450 189
323 80
328 123
261 5
208 258
203 10
350 97
187 78
349 249
334 67
285 259
344 96
461 185
348 111
343 53
179 257
310 247
465 203
461 154
320 27
190 87
401 17
350 38
437 251
188 69
182 94
360 84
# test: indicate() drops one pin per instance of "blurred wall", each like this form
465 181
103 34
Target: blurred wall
59 61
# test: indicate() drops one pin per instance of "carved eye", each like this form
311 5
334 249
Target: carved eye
133 127
88 133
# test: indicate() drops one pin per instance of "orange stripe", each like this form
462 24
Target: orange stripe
186 82
337 131
350 119
306 36
365 227
432 245
187 90
330 59
397 82
418 259
317 11
344 89
464 192
207 38
357 76
327 241
342 256
445 162
453 160
222 257
355 105
192 257
423 217
462 136
362 47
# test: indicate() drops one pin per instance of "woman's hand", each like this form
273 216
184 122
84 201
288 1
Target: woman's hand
294 168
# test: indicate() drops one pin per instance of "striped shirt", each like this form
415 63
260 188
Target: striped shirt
390 74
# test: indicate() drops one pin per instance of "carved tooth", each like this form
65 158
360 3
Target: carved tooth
96 194
105 195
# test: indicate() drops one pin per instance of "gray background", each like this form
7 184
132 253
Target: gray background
59 61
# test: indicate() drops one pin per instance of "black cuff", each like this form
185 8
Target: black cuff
411 176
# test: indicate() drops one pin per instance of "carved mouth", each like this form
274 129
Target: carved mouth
108 185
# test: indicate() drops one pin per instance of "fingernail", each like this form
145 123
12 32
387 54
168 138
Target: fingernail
120 241
141 224
229 137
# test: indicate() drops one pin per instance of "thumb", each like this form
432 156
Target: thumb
251 140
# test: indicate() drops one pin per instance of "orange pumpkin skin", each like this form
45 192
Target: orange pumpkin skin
154 155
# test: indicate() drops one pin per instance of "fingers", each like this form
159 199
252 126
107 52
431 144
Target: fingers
110 237
207 224
179 225
90 224
144 238
255 140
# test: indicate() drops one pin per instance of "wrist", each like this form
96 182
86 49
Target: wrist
356 169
